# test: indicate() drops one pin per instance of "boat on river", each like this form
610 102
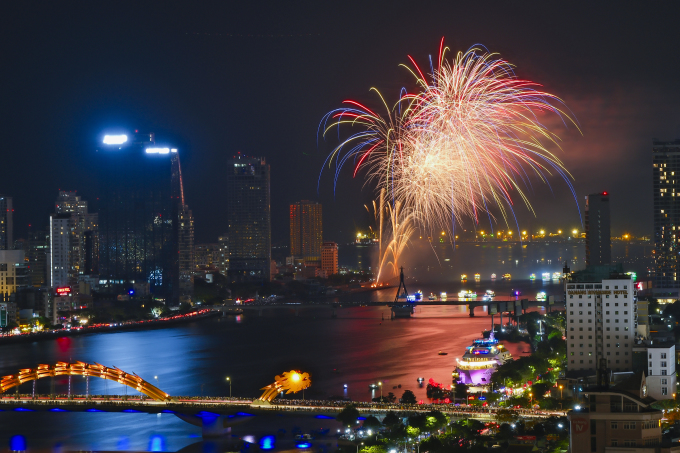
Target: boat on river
480 361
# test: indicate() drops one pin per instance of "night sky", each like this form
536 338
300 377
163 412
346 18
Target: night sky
218 78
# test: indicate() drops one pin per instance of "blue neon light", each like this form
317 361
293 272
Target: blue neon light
325 417
131 411
267 443
303 445
93 410
17 443
23 409
157 443
58 409
244 414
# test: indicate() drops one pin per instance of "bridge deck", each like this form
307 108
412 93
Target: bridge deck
234 406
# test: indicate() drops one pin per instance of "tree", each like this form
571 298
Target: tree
461 391
371 422
348 416
374 449
391 420
408 397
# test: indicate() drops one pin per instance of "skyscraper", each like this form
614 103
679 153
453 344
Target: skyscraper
666 161
249 218
598 224
82 224
186 243
37 251
329 258
6 222
306 231
61 226
223 253
140 199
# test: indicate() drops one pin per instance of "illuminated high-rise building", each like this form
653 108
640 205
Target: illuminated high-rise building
306 231
61 257
598 225
82 235
223 253
37 253
249 219
140 200
329 258
6 222
666 162
186 243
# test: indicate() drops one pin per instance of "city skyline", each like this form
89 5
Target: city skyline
619 108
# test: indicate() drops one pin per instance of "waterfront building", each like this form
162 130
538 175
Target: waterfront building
666 161
306 231
223 253
206 256
81 252
618 418
186 243
597 226
658 362
13 272
601 314
6 222
249 219
60 250
329 258
37 251
140 200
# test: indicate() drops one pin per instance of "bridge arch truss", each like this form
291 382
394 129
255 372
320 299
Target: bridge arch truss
85 370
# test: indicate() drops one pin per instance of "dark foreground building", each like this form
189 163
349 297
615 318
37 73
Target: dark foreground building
666 163
140 200
618 419
598 227
248 213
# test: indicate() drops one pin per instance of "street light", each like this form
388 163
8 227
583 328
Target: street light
358 447
531 395
561 397
229 381
156 378
380 385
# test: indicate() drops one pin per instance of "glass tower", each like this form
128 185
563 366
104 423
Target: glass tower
666 162
140 201
6 222
248 214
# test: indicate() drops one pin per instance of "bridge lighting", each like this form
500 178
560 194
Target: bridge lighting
158 150
115 139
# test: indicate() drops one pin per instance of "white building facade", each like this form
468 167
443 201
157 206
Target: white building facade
601 324
661 377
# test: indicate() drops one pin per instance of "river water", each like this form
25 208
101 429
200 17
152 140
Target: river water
356 348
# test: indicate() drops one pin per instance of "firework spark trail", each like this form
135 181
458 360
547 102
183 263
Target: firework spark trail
458 146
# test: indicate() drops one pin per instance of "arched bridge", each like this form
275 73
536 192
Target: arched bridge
85 370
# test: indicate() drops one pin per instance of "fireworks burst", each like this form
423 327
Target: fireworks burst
457 147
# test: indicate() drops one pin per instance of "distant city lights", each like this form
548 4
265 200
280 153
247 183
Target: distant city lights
115 139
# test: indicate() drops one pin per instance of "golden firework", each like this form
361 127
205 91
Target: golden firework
290 381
